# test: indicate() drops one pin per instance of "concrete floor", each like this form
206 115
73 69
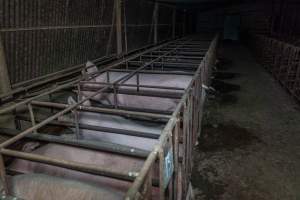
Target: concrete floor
250 144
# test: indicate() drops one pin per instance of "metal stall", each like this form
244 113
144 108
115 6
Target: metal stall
166 169
281 59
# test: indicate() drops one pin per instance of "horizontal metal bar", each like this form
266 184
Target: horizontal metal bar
121 112
93 145
160 94
127 108
98 128
154 71
173 57
131 85
104 68
82 167
55 28
168 64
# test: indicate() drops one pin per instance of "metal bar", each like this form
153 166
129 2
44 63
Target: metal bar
133 85
82 167
105 68
160 94
142 175
93 145
70 108
99 128
32 118
127 108
133 191
121 112
154 72
177 57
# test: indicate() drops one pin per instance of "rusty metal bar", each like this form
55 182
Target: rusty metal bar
154 71
121 112
82 167
133 191
98 146
133 85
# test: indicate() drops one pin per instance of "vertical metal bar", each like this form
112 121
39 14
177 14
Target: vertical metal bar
115 96
32 115
107 77
161 174
76 122
138 82
176 156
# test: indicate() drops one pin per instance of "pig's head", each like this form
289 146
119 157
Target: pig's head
30 146
90 68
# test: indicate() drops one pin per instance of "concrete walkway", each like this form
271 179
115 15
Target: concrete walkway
250 143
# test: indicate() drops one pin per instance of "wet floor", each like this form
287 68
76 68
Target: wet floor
249 148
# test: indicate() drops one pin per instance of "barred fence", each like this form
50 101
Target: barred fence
41 37
281 59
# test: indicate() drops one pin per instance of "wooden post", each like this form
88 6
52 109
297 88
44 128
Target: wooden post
118 7
4 78
174 23
155 22
6 120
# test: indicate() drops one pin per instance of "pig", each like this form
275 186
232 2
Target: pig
128 165
44 187
143 102
118 122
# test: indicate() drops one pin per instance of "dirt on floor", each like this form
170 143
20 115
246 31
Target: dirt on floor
249 148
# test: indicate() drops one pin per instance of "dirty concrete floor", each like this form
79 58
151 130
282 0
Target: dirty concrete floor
250 143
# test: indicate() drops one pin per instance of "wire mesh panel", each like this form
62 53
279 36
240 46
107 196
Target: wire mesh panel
138 22
179 27
44 36
165 21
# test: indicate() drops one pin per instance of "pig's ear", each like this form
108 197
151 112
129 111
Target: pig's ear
71 101
91 67
30 146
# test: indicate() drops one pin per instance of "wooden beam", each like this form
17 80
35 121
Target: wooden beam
5 86
6 120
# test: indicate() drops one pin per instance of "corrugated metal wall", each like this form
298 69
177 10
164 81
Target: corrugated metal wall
44 36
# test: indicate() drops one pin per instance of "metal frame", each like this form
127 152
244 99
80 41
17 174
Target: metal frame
281 59
182 126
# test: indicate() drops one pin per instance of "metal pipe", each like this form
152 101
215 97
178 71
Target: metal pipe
121 112
155 72
67 85
116 92
70 108
82 167
93 145
99 128
133 85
